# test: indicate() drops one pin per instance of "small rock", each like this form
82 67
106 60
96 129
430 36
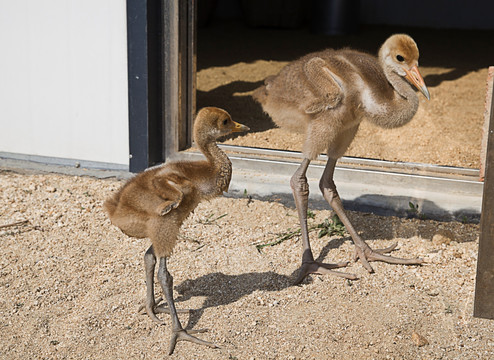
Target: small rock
433 292
419 340
457 254
443 236
51 189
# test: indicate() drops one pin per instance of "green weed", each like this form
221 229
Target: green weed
326 228
209 220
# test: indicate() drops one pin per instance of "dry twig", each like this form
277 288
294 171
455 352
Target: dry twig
22 222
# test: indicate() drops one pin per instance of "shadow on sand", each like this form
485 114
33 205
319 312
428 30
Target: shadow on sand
221 289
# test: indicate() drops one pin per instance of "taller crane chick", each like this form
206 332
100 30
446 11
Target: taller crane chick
326 95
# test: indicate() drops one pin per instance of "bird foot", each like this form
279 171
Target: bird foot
184 335
152 309
313 267
366 255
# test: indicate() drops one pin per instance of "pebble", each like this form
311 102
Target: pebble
419 340
433 292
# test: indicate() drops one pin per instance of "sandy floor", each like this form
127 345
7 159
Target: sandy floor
71 283
233 60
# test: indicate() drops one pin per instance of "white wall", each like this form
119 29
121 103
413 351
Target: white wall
63 79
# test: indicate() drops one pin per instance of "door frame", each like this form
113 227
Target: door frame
161 40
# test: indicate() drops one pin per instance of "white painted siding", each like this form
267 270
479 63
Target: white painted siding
63 79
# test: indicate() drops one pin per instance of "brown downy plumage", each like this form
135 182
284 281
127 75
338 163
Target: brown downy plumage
155 203
326 95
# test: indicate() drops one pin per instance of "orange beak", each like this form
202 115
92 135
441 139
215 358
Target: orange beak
239 127
414 77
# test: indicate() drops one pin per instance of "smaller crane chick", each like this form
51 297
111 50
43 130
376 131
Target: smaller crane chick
155 203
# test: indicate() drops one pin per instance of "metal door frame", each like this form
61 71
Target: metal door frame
161 39
484 285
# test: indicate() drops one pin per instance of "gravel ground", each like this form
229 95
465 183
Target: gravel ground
71 283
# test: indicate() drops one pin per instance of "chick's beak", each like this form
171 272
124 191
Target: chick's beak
414 77
239 127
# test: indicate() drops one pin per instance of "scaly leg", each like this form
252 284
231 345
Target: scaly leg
151 305
362 250
178 332
300 188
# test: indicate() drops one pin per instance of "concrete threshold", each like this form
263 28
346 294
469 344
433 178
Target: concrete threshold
437 194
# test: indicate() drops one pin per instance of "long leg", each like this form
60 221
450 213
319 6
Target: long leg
300 188
362 250
151 306
150 303
178 332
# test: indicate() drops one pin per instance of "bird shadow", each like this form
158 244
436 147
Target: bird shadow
235 97
433 80
222 289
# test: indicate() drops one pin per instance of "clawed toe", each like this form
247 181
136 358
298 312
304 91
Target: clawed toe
376 256
314 267
183 335
163 309
158 308
386 250
142 308
197 331
367 255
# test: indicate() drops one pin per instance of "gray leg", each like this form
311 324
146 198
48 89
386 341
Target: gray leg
178 332
151 305
149 264
300 189
362 250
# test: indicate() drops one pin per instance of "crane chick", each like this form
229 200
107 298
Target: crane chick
155 203
325 95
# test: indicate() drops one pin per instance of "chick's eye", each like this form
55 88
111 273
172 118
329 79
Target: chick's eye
225 121
400 58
